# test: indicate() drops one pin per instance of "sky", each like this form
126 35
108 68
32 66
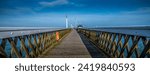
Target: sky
89 13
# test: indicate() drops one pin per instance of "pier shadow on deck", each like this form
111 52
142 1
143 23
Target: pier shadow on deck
92 49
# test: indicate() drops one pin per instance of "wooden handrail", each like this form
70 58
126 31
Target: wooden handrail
119 45
30 45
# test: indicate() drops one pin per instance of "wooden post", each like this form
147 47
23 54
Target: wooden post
14 47
24 47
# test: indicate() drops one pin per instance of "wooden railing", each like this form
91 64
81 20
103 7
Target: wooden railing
119 45
31 45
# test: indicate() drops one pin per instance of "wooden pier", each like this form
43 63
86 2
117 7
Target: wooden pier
75 43
71 46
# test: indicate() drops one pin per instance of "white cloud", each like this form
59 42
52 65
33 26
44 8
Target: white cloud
143 10
58 20
77 5
59 2
54 3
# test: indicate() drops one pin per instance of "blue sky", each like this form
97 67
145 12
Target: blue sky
90 13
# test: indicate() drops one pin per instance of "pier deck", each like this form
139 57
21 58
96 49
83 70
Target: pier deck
73 46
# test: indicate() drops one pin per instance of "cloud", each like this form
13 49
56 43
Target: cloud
58 20
77 5
143 10
38 20
54 3
17 11
59 3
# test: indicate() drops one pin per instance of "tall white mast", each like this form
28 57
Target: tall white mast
66 22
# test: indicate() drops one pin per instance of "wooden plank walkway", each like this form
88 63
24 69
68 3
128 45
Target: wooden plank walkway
70 47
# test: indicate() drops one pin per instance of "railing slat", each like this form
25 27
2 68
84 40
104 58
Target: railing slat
14 48
146 49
